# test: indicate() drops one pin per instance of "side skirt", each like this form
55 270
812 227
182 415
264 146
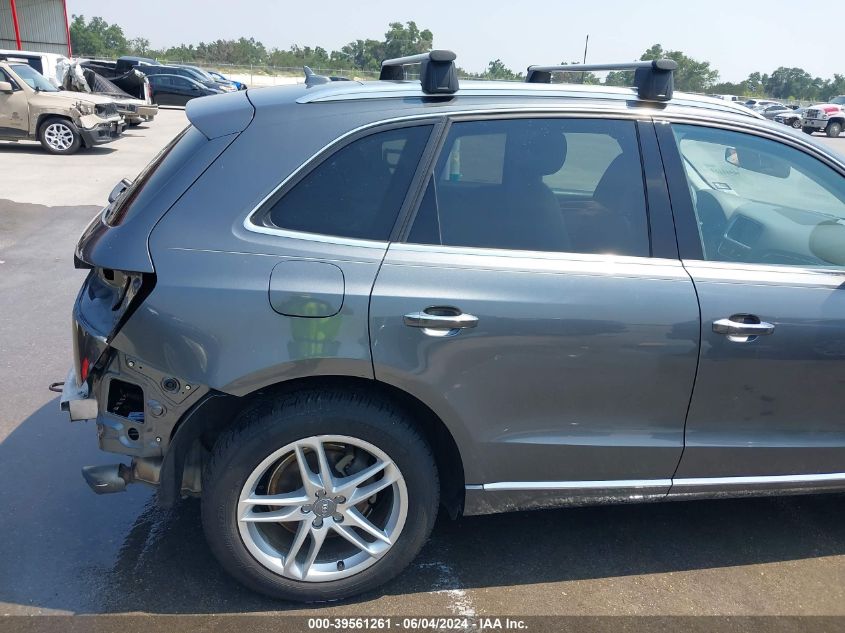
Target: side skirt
532 495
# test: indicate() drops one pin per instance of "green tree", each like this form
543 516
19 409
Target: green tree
496 69
400 40
577 77
97 38
791 83
140 46
691 76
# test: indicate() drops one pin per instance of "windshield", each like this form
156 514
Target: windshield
840 100
33 78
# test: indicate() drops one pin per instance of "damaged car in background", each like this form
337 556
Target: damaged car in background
31 108
74 77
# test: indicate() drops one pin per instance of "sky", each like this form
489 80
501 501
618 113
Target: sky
737 37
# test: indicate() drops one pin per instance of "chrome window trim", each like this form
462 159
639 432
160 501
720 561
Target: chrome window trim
253 227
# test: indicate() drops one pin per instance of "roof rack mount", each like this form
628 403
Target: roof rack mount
654 79
438 75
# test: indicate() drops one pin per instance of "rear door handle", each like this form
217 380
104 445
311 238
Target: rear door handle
440 321
742 331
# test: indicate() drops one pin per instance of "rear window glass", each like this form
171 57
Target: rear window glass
160 169
356 192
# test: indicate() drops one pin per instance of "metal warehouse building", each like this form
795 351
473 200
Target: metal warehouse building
35 25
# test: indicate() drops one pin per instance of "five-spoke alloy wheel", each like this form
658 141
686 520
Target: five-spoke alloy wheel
319 495
346 508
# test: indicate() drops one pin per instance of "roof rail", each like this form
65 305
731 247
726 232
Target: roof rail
654 80
437 71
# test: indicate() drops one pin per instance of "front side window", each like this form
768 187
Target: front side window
759 201
567 185
358 191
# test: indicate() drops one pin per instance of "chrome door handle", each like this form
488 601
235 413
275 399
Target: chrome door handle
440 321
741 332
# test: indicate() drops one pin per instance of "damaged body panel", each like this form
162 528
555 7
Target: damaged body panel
76 78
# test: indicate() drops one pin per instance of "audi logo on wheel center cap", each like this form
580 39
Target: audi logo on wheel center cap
324 507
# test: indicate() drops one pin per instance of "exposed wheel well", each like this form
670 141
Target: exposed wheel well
203 424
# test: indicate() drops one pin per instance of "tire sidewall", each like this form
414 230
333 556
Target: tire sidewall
266 433
834 129
77 137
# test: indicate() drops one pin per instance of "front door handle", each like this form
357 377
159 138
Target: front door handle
440 321
741 328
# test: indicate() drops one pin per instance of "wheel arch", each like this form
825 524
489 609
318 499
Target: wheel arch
199 428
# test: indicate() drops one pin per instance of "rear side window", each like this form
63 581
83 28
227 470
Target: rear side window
567 185
356 192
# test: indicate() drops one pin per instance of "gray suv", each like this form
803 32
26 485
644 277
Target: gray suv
330 309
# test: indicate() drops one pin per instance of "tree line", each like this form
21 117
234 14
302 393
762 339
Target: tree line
97 38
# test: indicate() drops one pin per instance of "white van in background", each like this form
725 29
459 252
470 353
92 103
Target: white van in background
45 63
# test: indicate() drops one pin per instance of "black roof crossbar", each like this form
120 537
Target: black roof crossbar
654 80
438 75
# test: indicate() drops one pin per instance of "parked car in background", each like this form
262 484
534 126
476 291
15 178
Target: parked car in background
238 84
772 109
225 84
790 117
177 90
189 73
31 108
824 117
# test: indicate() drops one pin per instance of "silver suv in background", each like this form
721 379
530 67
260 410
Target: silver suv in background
330 309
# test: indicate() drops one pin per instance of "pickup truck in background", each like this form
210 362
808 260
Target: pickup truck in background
825 117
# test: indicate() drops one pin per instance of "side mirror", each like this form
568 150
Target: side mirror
5 86
757 162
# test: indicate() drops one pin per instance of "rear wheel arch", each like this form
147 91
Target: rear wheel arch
197 432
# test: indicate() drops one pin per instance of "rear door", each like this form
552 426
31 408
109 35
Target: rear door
763 237
528 308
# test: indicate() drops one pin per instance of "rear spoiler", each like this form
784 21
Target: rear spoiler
220 115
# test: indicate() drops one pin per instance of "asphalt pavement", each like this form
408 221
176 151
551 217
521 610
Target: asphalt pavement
65 550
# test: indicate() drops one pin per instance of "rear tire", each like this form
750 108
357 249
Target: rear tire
59 136
267 444
796 124
833 129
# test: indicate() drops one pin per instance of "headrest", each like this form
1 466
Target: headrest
537 149
827 242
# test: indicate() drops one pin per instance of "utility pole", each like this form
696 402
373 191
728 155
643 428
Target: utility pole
586 44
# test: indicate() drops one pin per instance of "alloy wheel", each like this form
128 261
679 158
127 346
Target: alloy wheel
58 136
322 508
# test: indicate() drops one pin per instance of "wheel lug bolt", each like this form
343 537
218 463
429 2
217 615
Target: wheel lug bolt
306 509
318 523
340 499
338 518
321 494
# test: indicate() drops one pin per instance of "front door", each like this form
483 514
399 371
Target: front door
525 309
14 110
766 251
